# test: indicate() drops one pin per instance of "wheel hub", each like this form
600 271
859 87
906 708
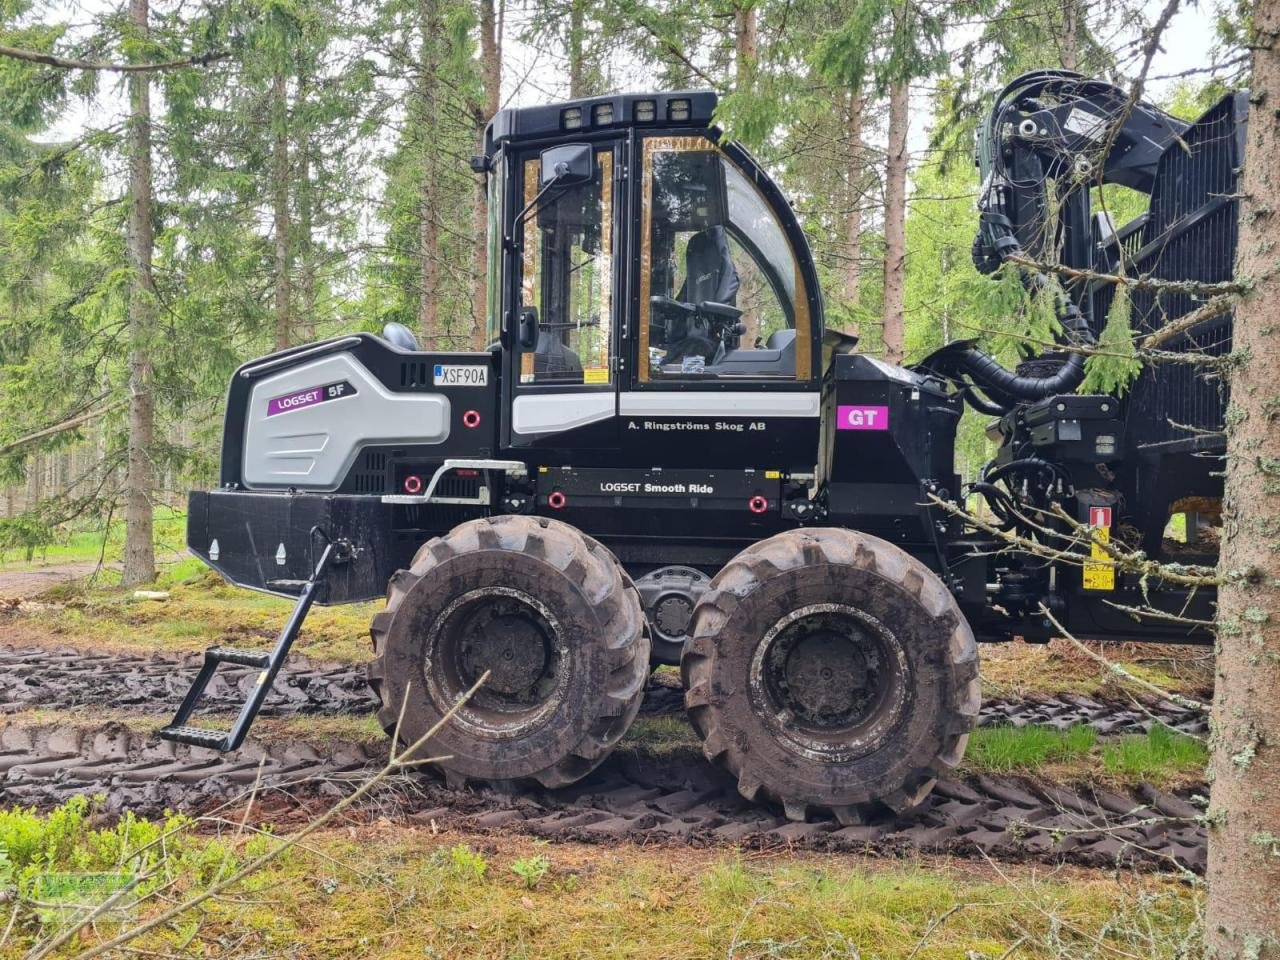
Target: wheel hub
830 680
827 679
515 639
510 644
673 615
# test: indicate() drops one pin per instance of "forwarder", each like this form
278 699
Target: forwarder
663 457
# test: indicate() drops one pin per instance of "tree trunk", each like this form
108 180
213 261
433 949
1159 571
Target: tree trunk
491 82
853 219
577 56
306 244
1242 914
895 216
1071 16
139 549
280 208
746 42
432 28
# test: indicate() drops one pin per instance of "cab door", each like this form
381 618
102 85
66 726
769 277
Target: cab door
563 303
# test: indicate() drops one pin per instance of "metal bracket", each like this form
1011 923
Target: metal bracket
512 468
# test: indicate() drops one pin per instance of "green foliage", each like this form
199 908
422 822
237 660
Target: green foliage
41 850
465 863
1004 748
531 870
1116 363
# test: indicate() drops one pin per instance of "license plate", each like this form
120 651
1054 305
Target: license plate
461 375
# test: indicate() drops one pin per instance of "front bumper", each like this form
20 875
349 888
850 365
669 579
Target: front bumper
272 541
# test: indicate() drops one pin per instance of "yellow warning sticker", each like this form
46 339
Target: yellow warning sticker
595 376
773 474
1099 575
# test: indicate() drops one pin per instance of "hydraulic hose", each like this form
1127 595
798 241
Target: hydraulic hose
984 369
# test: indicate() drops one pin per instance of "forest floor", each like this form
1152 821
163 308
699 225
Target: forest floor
1070 770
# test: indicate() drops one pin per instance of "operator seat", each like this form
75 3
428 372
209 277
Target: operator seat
710 276
709 271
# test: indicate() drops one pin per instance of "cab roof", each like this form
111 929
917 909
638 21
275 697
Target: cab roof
682 108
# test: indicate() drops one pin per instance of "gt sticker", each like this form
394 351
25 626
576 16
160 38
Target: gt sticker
309 397
461 375
862 418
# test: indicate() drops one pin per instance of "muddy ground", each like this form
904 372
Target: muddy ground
640 794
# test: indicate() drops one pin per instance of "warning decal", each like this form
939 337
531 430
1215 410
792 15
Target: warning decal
1099 569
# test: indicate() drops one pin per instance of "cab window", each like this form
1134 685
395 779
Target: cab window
566 284
721 295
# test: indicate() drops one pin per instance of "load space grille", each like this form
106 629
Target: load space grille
1188 235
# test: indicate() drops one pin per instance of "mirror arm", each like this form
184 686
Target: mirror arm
509 241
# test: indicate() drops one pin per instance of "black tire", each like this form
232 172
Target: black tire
551 613
829 670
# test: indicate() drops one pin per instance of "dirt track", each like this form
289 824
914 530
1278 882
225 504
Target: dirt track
637 795
64 678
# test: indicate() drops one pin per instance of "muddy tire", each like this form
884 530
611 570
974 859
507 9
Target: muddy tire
553 617
830 671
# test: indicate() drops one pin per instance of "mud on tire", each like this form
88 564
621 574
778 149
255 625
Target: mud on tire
550 612
827 670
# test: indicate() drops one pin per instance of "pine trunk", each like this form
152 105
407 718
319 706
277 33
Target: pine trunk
139 550
1071 15
432 28
1242 915
280 208
491 80
577 64
853 219
306 245
746 42
895 216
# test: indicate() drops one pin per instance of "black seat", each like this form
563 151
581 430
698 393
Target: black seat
710 275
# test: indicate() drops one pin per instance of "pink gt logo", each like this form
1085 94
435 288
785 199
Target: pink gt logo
862 418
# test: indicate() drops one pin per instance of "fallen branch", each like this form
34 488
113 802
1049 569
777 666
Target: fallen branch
66 63
1120 671
60 427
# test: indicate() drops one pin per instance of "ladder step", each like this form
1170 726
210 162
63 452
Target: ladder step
246 658
195 736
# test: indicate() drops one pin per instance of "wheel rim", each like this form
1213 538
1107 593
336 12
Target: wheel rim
514 637
830 680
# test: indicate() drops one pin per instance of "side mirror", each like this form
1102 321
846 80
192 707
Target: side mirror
529 328
567 165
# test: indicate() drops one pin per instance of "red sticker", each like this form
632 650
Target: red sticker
1099 517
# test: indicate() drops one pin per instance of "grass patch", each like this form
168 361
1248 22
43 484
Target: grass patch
1160 756
393 891
169 533
201 611
1001 749
661 734
1017 669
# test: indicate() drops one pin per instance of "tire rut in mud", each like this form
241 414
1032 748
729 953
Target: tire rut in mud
636 796
65 678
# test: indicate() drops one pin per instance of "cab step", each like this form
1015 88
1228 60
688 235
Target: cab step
197 736
245 658
269 662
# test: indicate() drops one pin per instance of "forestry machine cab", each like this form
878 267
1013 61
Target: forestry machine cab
662 458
